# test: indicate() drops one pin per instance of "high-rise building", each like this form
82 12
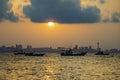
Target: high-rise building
98 46
19 47
29 47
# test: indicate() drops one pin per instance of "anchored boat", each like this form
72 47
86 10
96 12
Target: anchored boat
78 54
101 53
70 53
19 52
33 54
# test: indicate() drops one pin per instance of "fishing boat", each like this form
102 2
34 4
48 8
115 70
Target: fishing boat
101 53
70 53
19 52
77 54
33 54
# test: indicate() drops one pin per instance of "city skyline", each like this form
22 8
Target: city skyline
76 48
20 46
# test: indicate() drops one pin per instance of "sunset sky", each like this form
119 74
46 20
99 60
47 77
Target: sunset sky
82 22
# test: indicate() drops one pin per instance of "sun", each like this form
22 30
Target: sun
50 24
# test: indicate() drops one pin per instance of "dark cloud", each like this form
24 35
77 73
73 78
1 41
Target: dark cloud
3 9
62 11
106 20
116 17
5 14
102 1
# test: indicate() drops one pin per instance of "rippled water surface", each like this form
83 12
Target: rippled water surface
52 66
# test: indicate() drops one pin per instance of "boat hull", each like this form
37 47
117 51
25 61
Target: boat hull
19 53
81 54
34 54
101 53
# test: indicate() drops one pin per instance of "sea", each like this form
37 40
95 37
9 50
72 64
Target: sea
52 66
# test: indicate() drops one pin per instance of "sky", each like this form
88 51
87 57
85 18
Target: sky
82 22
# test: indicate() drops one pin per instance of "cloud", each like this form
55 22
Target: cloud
62 11
5 13
102 1
116 17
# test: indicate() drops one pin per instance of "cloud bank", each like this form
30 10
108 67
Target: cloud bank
62 11
102 1
5 13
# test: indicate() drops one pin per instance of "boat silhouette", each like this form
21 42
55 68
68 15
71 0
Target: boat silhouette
78 54
70 53
20 52
101 53
33 54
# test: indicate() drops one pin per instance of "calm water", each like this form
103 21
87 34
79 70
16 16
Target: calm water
56 67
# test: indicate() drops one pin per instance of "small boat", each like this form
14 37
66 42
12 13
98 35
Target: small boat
69 52
101 53
19 53
32 54
78 54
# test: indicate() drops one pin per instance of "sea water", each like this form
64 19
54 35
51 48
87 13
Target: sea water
52 66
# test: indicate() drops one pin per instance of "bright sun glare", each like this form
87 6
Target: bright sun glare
51 24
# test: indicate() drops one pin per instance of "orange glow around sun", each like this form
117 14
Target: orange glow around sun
50 24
